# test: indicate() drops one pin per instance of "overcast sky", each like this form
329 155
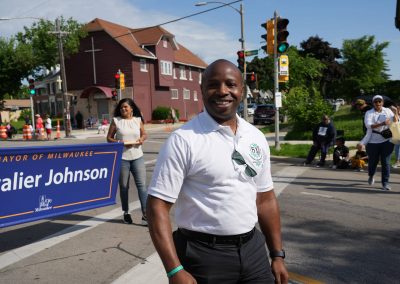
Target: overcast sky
215 34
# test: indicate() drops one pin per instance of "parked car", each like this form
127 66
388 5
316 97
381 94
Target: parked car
341 102
335 105
264 114
250 109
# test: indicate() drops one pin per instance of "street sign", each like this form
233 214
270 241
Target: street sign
251 52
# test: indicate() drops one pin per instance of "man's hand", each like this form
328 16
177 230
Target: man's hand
279 270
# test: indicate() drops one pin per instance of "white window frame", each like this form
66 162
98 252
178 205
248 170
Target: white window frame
182 73
143 65
166 67
190 74
195 98
174 94
174 72
165 43
200 76
186 94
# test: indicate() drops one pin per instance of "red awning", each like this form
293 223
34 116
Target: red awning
95 90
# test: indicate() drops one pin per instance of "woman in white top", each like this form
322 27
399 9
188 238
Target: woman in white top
127 127
48 126
379 148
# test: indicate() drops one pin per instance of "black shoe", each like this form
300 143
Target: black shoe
144 221
320 165
127 218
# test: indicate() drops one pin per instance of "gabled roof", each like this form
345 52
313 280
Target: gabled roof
136 40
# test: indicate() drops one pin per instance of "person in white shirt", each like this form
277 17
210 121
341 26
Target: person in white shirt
216 170
378 146
47 125
127 127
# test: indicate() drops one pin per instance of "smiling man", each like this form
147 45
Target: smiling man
216 170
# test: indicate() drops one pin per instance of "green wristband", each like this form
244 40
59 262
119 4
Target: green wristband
174 271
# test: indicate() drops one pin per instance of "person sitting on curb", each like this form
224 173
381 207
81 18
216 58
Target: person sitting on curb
340 155
359 160
323 136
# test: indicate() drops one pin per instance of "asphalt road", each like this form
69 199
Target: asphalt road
336 229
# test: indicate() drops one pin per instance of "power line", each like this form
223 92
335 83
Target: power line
181 18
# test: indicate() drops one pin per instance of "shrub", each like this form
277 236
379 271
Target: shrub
163 113
304 109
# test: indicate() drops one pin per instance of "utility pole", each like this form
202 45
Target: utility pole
245 112
66 102
276 83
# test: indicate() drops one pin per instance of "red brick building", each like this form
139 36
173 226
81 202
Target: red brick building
158 71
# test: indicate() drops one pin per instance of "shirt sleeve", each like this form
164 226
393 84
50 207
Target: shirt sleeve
171 169
264 177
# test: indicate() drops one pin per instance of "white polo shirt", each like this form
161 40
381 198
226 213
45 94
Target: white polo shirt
216 196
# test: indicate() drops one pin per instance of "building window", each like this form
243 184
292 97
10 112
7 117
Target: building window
174 94
195 96
166 67
53 88
190 74
143 65
200 74
182 73
186 94
165 43
174 72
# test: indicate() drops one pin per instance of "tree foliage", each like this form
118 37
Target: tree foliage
305 108
28 52
322 50
364 63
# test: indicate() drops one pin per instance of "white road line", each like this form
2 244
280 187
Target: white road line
285 176
153 271
317 194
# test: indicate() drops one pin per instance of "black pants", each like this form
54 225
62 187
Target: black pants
314 150
225 263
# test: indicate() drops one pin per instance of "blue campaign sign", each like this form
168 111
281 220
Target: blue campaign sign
43 182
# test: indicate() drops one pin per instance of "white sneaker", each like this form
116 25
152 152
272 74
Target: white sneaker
396 165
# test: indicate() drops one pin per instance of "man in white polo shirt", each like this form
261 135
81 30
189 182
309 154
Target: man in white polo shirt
216 170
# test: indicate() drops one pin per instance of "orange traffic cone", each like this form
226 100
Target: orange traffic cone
58 133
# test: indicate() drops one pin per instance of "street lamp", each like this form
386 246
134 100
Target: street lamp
245 114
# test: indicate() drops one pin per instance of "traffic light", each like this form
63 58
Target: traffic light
117 81
240 60
32 90
122 80
251 80
269 36
114 95
281 35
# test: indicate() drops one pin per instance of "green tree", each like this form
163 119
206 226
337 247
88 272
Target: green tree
333 70
304 71
28 52
15 64
305 108
364 64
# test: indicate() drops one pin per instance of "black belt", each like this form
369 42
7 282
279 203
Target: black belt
216 239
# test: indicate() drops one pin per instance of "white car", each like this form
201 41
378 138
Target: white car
341 102
251 108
